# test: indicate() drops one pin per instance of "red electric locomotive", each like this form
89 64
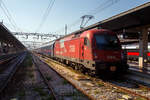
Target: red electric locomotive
97 50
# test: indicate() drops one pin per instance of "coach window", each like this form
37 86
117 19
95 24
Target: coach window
86 42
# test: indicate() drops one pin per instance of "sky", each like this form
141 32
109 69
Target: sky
27 14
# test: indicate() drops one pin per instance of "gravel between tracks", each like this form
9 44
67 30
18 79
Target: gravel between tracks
94 89
27 84
61 87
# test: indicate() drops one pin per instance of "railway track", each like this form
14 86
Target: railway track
6 59
138 77
5 62
136 74
131 87
140 91
44 78
58 86
135 64
10 70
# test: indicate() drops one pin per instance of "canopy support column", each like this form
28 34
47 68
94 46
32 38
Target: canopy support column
143 47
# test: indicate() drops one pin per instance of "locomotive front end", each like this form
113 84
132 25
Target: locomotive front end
107 52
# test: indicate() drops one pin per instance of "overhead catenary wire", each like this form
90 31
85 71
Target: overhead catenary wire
69 26
47 11
9 16
9 19
103 6
8 25
0 2
100 8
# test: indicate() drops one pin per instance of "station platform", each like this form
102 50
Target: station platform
134 67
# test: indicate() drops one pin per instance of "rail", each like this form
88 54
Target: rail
7 75
107 84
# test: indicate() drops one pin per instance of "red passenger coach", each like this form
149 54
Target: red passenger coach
97 50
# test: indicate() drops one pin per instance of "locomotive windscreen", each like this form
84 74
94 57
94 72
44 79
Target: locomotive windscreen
107 42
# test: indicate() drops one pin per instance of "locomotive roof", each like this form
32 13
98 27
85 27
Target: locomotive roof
99 30
70 36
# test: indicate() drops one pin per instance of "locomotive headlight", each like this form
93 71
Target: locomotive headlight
113 68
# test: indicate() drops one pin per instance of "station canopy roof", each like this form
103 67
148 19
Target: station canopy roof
7 37
135 17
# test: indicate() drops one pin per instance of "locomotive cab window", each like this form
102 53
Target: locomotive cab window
107 42
86 42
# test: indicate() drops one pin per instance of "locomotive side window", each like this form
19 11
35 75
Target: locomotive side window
86 42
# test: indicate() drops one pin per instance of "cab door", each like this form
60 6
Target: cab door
82 48
87 49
